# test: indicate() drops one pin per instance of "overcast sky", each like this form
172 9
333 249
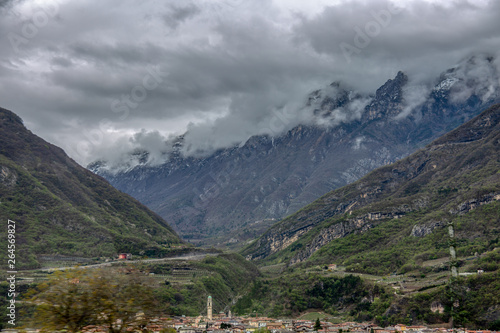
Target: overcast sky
99 77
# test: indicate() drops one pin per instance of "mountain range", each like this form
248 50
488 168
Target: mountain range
236 193
394 212
61 208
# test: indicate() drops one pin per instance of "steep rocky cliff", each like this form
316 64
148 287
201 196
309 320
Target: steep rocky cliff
446 181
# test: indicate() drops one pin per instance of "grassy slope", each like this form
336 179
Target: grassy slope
224 277
61 208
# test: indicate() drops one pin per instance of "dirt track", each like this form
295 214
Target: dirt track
110 263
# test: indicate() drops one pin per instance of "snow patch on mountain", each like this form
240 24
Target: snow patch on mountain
446 84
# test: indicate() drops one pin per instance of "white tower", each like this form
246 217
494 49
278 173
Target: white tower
209 308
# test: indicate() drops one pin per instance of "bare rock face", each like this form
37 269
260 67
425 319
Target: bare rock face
388 100
425 229
327 235
469 205
8 177
437 307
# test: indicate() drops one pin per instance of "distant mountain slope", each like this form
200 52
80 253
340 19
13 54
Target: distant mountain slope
395 217
61 208
238 192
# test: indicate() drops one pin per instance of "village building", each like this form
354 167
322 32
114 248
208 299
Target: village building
209 308
124 256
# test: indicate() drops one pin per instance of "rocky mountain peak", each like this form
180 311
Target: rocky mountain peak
475 77
392 89
388 100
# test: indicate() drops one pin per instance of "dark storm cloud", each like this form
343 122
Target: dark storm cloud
5 3
419 37
8 5
177 15
100 78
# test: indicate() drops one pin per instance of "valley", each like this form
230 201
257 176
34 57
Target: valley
373 252
184 282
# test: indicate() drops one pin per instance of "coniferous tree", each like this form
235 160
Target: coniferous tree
317 325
